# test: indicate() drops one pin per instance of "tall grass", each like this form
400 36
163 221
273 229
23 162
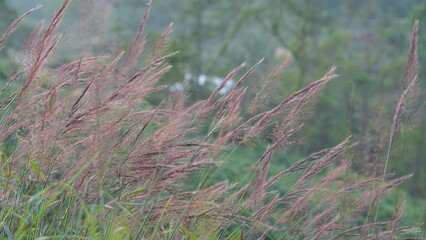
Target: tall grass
89 158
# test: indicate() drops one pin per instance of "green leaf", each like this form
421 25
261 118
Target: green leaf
136 192
37 169
187 233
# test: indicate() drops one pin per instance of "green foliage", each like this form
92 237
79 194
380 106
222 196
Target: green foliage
86 182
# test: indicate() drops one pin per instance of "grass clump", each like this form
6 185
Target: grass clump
89 158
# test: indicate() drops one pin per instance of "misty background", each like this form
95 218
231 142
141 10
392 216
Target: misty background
367 40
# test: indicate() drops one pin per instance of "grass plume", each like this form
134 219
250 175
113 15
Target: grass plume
93 160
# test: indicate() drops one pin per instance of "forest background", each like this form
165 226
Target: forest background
367 40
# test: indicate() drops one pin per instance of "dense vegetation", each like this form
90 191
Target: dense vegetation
102 138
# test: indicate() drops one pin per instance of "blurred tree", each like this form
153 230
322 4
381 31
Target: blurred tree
7 15
201 30
297 26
